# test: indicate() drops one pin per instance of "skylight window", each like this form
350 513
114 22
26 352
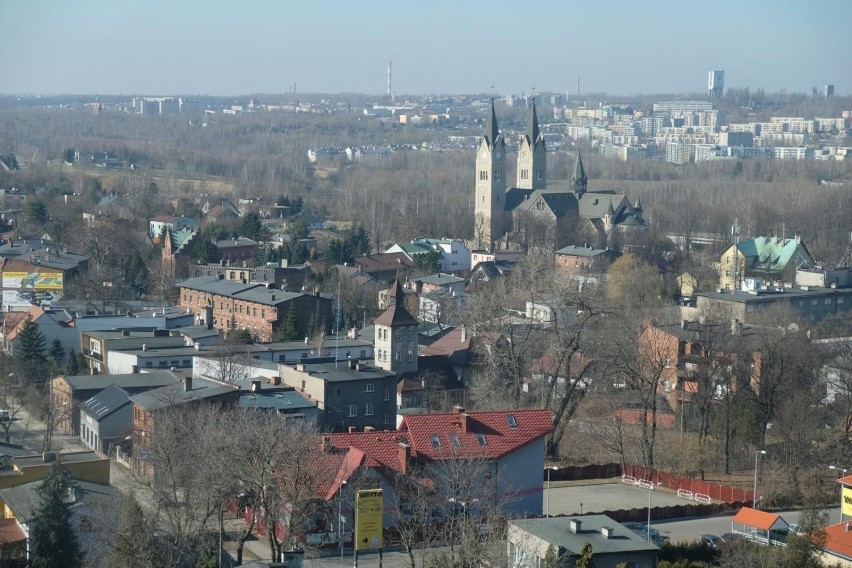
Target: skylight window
455 440
436 441
481 439
511 420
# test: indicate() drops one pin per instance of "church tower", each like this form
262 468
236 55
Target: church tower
396 336
532 156
579 182
490 185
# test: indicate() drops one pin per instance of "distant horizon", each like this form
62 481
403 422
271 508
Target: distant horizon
214 49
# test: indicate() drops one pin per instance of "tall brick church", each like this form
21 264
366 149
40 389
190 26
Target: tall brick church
533 214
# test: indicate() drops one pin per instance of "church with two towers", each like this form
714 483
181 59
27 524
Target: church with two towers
533 214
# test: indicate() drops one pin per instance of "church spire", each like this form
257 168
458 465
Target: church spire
578 180
491 130
533 131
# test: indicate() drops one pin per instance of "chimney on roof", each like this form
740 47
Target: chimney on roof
607 532
848 526
369 429
353 429
353 363
575 525
325 444
255 386
463 334
736 327
683 324
187 384
458 409
404 457
144 347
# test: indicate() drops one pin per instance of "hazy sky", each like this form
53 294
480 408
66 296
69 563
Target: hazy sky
167 47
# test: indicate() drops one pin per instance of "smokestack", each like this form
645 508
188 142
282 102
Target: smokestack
390 64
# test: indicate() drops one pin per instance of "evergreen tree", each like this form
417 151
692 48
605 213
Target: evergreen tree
586 555
56 354
133 543
72 368
53 541
288 331
251 226
30 342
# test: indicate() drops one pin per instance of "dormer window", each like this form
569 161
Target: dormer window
436 441
481 439
510 419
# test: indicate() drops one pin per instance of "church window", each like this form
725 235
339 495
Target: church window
497 175
525 174
538 175
483 175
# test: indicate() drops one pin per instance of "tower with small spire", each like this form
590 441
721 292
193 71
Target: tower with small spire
490 192
532 155
396 335
579 183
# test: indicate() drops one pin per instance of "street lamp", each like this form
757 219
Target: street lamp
340 521
843 471
547 501
757 455
464 506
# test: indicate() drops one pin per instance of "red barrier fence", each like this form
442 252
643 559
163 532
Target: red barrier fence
715 491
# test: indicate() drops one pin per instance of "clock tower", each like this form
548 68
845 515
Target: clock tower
490 185
532 156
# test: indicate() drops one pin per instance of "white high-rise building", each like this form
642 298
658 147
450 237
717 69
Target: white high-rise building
716 82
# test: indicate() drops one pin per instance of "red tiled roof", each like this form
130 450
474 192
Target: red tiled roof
500 438
409 385
10 531
12 331
450 346
845 480
380 448
382 262
839 540
755 518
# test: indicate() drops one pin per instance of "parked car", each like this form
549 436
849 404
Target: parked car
710 540
796 529
731 537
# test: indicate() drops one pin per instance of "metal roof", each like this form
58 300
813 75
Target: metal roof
557 531
127 381
105 402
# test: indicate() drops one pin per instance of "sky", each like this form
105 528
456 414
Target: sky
622 47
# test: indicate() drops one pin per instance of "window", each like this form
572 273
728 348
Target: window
510 419
387 393
187 362
368 411
481 439
399 335
397 356
163 364
353 410
411 331
454 438
370 387
436 441
827 301
303 385
813 302
498 175
483 175
410 356
387 418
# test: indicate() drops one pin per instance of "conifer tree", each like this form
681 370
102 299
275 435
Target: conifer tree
72 368
53 541
288 330
30 342
56 354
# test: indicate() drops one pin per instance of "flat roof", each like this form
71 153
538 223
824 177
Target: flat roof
65 457
773 295
342 373
125 381
173 395
557 530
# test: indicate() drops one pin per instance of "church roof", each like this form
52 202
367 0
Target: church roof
491 130
560 203
515 196
579 176
596 205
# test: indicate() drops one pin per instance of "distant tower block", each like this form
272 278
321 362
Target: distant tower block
716 82
828 91
390 90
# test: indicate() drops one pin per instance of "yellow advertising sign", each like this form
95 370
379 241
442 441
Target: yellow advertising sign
368 519
33 280
846 501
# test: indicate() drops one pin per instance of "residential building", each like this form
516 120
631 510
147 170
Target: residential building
105 419
770 259
487 271
128 361
158 224
148 407
805 303
353 394
83 465
455 255
235 250
579 260
229 305
383 267
281 275
438 282
35 272
68 393
528 541
97 345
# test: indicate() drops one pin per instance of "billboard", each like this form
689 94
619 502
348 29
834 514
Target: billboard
26 298
846 501
368 519
33 280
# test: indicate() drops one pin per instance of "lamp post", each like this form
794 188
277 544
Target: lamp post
547 500
843 472
340 519
464 505
757 455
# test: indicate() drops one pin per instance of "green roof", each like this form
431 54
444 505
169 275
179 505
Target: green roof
773 254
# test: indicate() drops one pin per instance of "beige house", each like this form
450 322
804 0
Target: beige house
765 258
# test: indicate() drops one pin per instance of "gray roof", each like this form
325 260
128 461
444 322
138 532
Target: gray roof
269 296
341 372
213 285
37 460
557 531
240 242
275 399
560 202
774 295
439 279
23 499
105 402
176 394
163 351
581 251
36 251
127 381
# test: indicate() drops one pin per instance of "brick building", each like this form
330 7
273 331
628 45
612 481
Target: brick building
230 305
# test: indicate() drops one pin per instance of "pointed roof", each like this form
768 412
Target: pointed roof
638 206
396 314
397 293
491 130
579 177
609 209
533 131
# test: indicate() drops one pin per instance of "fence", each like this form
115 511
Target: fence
701 491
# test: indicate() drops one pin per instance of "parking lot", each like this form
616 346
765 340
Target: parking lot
605 497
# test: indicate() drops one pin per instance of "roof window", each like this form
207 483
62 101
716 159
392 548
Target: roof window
481 439
436 441
511 421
